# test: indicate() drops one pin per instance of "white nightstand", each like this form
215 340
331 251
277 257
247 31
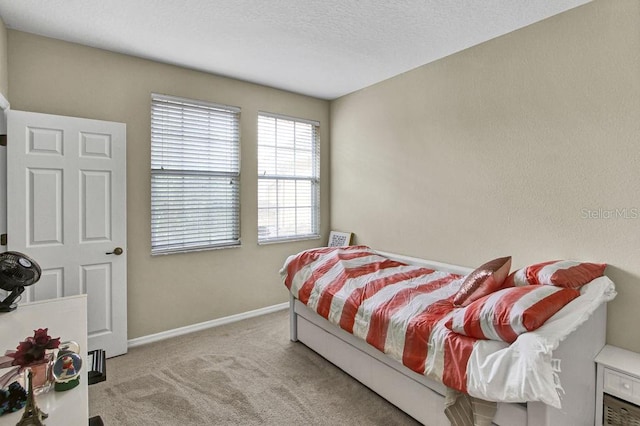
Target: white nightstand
618 374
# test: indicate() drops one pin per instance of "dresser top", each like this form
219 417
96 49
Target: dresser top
620 359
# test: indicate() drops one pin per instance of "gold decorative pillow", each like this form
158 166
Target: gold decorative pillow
484 280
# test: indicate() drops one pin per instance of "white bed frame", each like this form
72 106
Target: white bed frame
423 399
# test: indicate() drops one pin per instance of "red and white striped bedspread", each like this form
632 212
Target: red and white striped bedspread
401 310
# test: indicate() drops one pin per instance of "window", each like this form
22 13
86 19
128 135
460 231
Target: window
195 175
288 178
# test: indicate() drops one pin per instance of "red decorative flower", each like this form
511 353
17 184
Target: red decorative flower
33 349
41 337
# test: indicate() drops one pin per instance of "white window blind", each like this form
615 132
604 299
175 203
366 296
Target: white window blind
288 178
195 175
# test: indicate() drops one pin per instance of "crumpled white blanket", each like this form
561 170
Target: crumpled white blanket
525 371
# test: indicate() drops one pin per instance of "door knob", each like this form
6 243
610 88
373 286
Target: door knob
117 251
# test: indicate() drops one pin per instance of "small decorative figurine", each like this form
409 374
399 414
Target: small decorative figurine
32 415
68 370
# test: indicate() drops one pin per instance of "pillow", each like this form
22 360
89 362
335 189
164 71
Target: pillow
561 273
484 280
509 312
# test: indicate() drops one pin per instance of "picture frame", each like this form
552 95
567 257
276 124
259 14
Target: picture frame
339 239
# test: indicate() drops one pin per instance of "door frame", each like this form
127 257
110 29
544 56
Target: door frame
4 105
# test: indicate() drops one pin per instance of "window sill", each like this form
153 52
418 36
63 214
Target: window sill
289 240
193 250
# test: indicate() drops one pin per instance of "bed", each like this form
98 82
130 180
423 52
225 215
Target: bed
568 377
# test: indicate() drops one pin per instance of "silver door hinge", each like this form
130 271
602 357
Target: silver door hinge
3 240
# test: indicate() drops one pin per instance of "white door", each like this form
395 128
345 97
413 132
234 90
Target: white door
66 209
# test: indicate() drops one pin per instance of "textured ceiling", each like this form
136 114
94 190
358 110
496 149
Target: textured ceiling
324 48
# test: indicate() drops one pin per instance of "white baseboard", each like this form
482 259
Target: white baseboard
139 341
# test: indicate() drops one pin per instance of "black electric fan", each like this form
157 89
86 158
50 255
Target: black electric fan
17 271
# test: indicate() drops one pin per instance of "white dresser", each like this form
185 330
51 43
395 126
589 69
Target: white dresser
66 318
618 374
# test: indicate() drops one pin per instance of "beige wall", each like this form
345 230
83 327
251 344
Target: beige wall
4 71
166 292
498 149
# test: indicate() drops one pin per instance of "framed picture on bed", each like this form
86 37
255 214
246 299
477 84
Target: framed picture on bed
339 239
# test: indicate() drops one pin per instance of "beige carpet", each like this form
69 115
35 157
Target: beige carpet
246 373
